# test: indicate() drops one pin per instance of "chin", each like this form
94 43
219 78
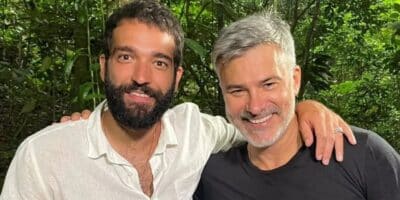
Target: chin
264 141
260 144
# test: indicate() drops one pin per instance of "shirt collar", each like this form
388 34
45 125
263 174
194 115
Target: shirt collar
97 141
168 134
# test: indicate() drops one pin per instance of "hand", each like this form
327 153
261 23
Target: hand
315 117
76 116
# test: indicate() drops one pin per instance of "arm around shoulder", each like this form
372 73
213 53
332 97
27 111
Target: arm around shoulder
223 134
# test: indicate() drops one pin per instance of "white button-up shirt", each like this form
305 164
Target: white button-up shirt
74 160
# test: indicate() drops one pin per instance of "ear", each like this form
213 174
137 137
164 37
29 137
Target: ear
297 79
102 61
179 73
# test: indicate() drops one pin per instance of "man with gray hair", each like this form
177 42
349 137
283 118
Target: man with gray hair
256 65
133 146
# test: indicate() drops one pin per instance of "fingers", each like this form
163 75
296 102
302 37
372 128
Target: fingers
65 119
321 138
329 145
339 139
335 139
75 116
339 146
318 119
327 140
347 132
330 123
86 114
306 133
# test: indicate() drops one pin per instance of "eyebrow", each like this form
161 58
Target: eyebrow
231 87
163 56
131 50
271 78
122 48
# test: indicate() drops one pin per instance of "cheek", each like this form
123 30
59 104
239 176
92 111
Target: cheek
234 106
169 78
163 79
284 93
285 98
119 75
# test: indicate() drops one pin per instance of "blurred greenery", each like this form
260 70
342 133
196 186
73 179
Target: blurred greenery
349 52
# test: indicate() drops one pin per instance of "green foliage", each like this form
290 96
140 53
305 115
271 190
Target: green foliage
349 52
366 70
370 102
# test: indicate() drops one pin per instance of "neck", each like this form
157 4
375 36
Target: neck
122 139
279 153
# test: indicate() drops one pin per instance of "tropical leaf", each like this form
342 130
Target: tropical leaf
29 106
196 47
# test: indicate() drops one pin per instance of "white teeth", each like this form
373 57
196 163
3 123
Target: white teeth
138 94
261 120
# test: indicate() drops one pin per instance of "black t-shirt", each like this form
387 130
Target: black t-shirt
370 170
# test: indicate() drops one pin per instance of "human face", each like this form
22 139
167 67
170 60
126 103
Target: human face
259 95
139 75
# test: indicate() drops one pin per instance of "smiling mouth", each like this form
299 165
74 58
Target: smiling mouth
138 93
138 97
259 120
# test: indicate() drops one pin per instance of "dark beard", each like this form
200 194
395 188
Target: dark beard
138 116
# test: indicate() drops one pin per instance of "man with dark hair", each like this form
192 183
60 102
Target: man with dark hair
256 66
133 146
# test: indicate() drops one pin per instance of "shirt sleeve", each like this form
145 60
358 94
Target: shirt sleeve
223 134
382 170
23 180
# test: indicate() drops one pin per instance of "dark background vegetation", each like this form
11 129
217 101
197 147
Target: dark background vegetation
349 52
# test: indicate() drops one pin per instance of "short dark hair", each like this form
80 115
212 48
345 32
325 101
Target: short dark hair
149 12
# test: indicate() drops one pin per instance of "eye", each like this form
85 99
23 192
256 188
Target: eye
236 92
161 64
269 85
124 58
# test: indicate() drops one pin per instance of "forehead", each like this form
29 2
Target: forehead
134 33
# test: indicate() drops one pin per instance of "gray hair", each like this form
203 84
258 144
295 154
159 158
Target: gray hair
260 28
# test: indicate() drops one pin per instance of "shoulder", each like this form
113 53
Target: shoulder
381 165
190 113
371 148
54 137
224 166
363 135
235 155
371 141
182 107
184 112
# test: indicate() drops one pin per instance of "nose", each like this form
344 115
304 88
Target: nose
141 73
255 104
